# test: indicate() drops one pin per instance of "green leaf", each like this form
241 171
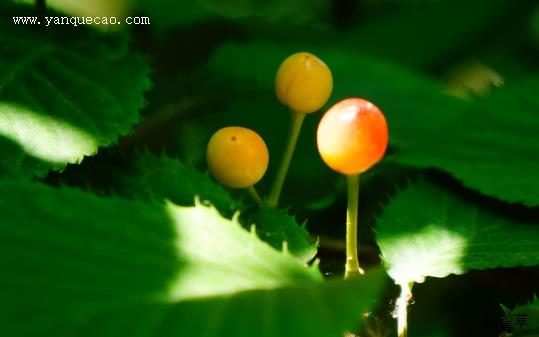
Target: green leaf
276 226
77 264
524 318
167 14
64 92
427 231
97 8
491 146
534 27
150 177
168 178
407 39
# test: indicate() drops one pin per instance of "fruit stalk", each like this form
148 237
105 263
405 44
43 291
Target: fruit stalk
295 128
252 192
352 264
402 309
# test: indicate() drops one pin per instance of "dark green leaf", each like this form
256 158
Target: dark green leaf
168 14
424 34
161 177
276 226
491 146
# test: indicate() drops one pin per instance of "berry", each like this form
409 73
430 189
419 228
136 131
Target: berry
303 82
352 136
237 157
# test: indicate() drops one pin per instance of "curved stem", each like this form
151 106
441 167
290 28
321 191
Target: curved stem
352 264
252 192
402 309
295 127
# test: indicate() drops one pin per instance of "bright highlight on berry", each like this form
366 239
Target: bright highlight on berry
303 82
352 136
237 157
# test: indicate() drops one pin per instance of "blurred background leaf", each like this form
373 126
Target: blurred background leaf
168 14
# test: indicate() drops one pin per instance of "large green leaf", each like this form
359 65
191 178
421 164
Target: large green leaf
77 264
490 146
427 231
64 92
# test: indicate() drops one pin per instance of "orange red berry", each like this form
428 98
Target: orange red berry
352 136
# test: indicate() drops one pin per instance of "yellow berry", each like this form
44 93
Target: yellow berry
237 157
303 82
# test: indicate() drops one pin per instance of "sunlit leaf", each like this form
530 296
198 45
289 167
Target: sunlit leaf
427 231
150 177
111 266
64 92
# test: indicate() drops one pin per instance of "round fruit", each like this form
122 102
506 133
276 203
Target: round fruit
352 136
237 157
303 82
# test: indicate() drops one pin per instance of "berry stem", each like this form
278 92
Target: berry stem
293 134
402 308
352 268
256 197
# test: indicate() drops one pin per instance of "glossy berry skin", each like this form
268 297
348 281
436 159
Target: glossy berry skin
237 157
352 136
303 82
